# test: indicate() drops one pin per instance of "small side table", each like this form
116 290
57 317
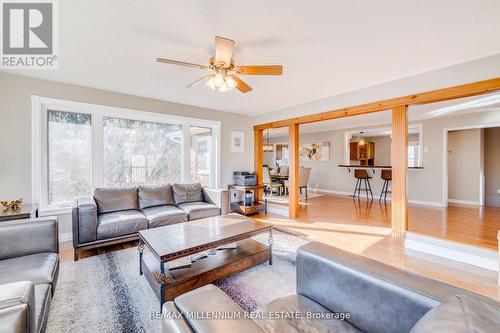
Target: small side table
242 207
24 212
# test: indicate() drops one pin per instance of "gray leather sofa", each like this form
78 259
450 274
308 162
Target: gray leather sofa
115 215
362 295
29 266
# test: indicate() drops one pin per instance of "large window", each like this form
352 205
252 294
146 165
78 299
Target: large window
78 147
141 152
69 156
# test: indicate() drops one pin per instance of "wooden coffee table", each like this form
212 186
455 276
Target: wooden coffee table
171 242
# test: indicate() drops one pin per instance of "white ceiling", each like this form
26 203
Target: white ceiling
481 103
327 47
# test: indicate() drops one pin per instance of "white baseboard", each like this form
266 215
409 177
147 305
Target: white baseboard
65 237
464 202
277 209
468 254
375 197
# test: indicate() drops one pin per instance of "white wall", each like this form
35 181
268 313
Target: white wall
15 129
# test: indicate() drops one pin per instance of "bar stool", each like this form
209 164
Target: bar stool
361 175
386 175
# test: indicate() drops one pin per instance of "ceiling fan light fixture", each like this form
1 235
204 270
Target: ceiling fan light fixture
210 83
219 80
230 82
223 88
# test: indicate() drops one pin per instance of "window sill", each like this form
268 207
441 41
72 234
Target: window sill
51 211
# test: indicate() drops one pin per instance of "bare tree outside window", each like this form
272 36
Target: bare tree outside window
69 156
141 152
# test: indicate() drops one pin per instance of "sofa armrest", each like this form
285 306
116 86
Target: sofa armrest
84 216
17 307
22 237
219 197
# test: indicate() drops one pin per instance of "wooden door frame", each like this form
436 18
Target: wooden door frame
439 95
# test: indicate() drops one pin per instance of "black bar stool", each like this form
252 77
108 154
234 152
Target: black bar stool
386 175
362 176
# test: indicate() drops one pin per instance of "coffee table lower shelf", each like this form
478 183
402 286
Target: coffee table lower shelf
248 253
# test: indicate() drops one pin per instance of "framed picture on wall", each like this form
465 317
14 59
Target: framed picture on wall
237 142
315 151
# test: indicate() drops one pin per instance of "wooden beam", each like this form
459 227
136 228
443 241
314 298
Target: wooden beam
258 148
293 171
434 96
399 157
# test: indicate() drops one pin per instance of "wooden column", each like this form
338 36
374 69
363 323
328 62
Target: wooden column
293 171
498 239
258 157
399 157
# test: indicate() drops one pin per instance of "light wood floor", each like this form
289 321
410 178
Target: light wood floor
467 224
364 228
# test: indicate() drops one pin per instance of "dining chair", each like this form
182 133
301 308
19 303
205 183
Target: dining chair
270 185
304 174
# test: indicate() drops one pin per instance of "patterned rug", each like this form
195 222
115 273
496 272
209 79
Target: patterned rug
105 293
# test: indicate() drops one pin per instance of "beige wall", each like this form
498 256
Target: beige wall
464 165
492 166
15 128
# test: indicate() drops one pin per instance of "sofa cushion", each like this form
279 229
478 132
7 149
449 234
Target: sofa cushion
42 305
318 322
115 199
163 215
155 195
120 223
460 314
187 193
39 268
199 210
211 298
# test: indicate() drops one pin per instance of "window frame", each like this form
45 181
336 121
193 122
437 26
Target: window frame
39 143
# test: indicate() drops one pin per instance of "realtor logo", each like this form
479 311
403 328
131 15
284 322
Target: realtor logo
28 34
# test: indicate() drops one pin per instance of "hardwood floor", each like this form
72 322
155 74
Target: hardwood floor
364 228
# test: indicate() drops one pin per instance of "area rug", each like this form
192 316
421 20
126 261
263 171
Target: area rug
105 293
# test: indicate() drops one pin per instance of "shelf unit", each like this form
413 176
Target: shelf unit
256 205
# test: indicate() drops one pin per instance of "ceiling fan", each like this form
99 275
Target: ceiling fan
222 70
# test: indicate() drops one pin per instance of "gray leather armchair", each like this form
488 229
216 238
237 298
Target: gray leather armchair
365 295
116 215
29 266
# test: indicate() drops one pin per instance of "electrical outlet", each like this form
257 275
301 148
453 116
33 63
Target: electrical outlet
498 191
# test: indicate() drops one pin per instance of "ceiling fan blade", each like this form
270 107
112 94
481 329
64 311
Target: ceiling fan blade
180 63
241 85
223 50
260 70
197 81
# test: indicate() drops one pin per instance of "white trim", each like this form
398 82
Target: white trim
36 154
445 158
277 209
66 237
468 254
464 202
39 142
375 197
